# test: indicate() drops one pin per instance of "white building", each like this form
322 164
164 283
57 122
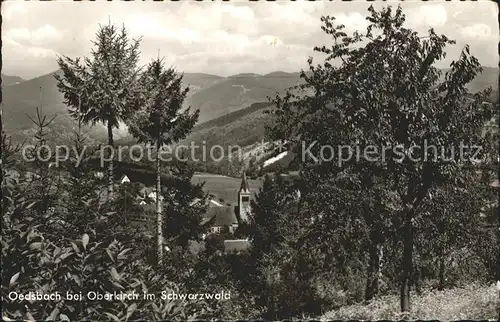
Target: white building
124 179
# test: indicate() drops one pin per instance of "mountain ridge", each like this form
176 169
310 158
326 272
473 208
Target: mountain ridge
215 96
11 80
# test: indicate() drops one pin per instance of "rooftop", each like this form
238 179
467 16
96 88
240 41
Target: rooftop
222 216
244 183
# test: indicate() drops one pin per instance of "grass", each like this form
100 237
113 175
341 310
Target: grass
225 187
473 302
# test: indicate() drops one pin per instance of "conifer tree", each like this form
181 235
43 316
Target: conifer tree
186 205
82 186
104 87
161 120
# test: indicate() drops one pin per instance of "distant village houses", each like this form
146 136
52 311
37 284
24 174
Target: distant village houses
224 219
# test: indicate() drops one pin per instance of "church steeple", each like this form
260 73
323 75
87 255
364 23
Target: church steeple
244 199
244 184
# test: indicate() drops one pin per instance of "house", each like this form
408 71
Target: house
124 179
148 194
223 217
152 195
226 219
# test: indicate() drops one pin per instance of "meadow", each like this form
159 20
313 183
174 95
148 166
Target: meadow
224 187
471 302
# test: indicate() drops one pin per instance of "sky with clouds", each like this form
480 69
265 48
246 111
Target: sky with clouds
222 38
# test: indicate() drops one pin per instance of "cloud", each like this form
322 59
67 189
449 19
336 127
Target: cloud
478 31
44 36
242 13
27 61
207 17
426 16
29 51
352 21
18 34
154 27
47 33
216 37
283 17
12 9
267 40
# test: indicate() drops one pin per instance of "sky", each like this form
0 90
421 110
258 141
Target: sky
223 38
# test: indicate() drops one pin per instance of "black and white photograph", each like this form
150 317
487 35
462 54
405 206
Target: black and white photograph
250 160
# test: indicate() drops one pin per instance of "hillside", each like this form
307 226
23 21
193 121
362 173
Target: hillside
200 81
20 101
11 80
214 95
243 128
472 302
252 115
218 98
239 91
488 78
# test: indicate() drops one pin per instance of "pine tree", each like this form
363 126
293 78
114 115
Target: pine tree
186 205
103 88
44 182
161 121
83 187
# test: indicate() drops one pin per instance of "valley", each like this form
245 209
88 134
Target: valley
232 113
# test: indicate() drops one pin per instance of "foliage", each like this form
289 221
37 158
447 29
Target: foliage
104 88
43 256
326 239
186 205
387 93
282 265
160 120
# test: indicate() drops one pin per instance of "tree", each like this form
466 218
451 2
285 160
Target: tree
43 184
449 221
127 203
268 233
186 205
4 143
386 92
284 261
82 187
104 87
161 121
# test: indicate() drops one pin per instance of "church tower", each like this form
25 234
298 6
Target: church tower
244 199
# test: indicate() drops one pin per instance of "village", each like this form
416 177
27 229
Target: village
223 219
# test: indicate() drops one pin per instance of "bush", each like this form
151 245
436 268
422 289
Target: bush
41 255
84 266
